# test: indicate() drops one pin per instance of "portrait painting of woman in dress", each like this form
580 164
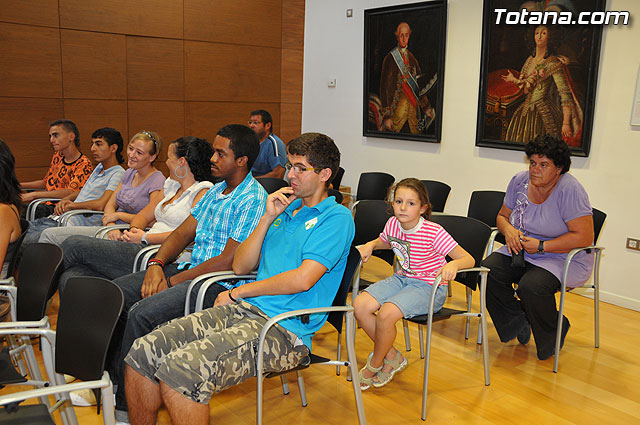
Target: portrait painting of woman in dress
538 78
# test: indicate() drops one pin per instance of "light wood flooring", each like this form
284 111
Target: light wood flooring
593 385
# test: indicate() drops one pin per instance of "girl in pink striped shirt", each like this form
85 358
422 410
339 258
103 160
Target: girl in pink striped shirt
420 247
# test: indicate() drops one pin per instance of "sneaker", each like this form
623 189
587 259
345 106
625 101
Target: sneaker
83 398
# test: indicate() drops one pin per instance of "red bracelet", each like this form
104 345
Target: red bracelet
155 261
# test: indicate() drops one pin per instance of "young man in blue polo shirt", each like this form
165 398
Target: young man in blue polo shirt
106 148
300 247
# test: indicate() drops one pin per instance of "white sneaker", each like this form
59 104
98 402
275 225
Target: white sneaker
83 398
122 423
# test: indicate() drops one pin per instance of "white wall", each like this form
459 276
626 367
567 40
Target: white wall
334 49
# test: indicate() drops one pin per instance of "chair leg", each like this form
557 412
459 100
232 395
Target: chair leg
421 341
353 367
339 352
407 336
303 391
596 299
559 330
425 379
285 384
468 293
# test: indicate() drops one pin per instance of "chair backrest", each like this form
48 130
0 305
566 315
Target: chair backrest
13 261
338 178
374 185
353 265
370 216
484 205
598 222
37 279
89 310
438 194
336 194
272 184
472 235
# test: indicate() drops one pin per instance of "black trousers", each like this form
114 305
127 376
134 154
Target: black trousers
536 304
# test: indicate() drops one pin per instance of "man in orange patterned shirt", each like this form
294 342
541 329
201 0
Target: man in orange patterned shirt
69 169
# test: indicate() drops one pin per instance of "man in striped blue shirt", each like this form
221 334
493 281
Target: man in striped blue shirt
225 216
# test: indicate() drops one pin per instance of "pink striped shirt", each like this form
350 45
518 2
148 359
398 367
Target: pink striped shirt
421 251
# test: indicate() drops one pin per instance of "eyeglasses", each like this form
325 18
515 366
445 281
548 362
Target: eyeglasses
298 169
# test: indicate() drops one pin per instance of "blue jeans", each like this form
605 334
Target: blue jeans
140 316
88 256
36 227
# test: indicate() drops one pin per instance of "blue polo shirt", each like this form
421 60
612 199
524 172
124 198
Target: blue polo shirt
273 152
322 233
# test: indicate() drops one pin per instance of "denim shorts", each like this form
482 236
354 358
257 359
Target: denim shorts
409 294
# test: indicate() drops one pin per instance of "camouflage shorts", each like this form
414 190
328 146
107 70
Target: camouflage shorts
212 350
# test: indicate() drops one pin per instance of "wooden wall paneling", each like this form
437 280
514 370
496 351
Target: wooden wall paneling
29 61
204 119
90 115
155 68
93 65
42 12
290 121
227 73
24 126
156 18
291 77
293 24
165 118
246 22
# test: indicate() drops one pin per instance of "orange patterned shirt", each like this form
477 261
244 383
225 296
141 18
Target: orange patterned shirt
67 176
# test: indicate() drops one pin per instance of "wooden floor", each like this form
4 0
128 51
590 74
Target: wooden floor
593 386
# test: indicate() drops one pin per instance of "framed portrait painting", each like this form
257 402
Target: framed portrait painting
538 72
404 50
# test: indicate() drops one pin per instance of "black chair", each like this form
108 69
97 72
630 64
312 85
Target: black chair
336 316
438 194
336 194
472 235
370 216
598 222
374 186
13 261
89 310
37 282
272 184
338 178
484 205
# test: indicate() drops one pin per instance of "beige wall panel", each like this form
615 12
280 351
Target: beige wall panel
29 61
159 18
204 119
90 115
155 68
165 118
223 72
292 68
293 24
42 12
85 70
291 121
249 22
24 125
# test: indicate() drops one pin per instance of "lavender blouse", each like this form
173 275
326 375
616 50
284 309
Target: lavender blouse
133 199
547 220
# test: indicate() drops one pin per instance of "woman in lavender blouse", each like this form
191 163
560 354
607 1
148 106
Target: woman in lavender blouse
546 213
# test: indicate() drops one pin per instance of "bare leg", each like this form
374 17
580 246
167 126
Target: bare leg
386 320
365 311
143 398
183 410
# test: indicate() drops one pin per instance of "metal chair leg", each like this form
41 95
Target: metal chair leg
407 335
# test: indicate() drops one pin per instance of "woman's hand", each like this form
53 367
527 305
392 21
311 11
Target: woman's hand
108 218
530 244
513 237
133 235
509 78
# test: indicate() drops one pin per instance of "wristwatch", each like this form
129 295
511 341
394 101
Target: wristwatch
541 247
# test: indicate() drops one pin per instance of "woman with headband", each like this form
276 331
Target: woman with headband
140 186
